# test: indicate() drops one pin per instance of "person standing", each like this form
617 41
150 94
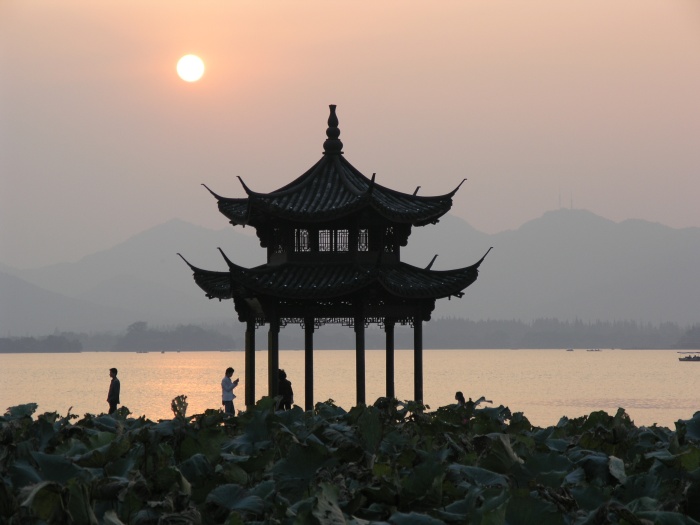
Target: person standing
459 397
227 395
284 389
113 394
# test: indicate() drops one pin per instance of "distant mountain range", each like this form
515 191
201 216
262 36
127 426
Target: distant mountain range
567 264
570 264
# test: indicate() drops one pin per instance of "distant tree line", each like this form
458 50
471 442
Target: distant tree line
447 333
182 337
138 337
691 338
457 333
29 345
553 333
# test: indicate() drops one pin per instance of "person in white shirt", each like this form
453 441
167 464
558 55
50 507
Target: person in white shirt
227 395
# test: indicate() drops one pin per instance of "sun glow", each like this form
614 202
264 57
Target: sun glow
190 68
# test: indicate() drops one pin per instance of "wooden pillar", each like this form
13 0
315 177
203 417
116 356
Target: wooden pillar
389 325
308 363
360 358
273 356
418 359
250 364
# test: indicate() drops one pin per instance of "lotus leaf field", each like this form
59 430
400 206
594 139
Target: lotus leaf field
389 463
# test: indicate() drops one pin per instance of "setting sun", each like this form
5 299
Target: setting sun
190 68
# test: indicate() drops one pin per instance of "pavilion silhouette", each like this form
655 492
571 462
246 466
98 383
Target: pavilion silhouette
333 240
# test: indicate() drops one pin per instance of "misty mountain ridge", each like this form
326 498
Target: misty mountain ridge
567 264
573 264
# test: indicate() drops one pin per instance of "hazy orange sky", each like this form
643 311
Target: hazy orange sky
593 104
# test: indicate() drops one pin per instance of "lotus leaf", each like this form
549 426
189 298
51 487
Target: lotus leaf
20 411
329 411
638 486
23 474
110 518
667 518
326 509
206 441
370 429
597 468
523 509
490 419
130 461
692 428
423 483
477 476
394 442
234 497
575 477
8 502
147 516
45 500
414 518
393 461
59 468
617 469
99 457
196 468
340 434
170 478
496 453
79 504
294 472
589 498
256 435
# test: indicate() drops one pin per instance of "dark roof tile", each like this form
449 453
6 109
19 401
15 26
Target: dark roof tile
300 281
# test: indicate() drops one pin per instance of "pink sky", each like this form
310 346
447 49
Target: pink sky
539 104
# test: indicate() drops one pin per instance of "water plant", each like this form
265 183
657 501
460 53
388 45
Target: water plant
391 462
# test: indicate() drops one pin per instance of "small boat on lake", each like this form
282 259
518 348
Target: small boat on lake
693 356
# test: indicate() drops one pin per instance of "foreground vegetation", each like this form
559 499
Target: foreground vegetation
392 462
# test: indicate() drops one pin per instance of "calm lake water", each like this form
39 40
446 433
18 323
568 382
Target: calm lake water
651 385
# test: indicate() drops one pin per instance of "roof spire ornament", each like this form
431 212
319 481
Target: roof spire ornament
332 143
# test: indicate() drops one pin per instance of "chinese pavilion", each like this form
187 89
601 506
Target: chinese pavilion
333 240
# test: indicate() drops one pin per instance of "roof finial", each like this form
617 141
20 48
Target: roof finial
332 143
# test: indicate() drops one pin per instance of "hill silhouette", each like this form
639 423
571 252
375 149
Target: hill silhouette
567 265
570 264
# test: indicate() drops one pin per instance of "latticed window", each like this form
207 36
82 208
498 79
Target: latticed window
389 240
277 241
301 240
342 241
325 241
363 240
333 240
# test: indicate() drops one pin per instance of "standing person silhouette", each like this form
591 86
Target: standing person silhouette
284 389
113 394
459 396
227 395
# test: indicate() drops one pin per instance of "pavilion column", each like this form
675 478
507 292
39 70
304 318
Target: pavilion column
273 356
360 358
250 364
389 325
308 363
417 359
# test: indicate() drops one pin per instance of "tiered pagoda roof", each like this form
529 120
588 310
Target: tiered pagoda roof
294 280
333 196
332 189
